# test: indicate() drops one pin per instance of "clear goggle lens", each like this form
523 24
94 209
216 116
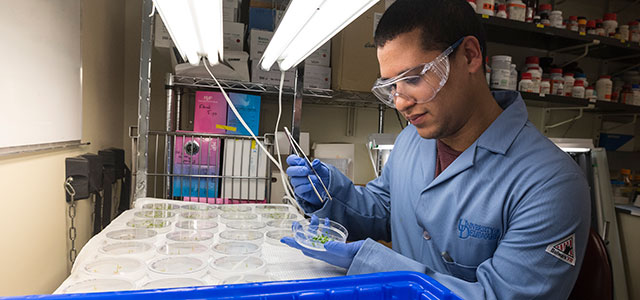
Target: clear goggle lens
420 84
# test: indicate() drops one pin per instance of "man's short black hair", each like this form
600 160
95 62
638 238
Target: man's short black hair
442 23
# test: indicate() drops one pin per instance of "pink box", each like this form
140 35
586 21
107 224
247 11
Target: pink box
210 112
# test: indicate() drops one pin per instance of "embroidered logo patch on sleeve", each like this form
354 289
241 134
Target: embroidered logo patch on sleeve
564 250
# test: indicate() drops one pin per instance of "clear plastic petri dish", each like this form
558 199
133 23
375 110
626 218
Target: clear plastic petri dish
174 282
251 236
97 285
280 216
114 267
206 225
138 249
285 224
188 248
238 264
199 207
154 214
199 215
159 225
182 266
236 248
204 237
314 237
247 278
160 206
246 225
273 236
234 208
145 235
237 216
270 208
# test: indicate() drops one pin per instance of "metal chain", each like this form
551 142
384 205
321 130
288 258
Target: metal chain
73 233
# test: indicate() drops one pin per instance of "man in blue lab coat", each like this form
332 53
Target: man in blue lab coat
472 194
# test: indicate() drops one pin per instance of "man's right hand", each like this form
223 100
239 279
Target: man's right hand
299 170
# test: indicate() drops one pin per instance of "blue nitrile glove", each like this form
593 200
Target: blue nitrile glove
299 170
337 254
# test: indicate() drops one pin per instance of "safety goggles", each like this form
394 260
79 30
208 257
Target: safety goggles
419 84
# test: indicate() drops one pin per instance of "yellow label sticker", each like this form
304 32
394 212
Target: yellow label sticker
230 128
253 145
540 25
623 41
583 33
485 16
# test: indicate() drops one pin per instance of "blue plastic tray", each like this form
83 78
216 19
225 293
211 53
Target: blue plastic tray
377 286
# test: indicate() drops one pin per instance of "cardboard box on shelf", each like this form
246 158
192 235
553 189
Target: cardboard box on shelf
239 60
317 77
258 41
233 36
270 77
284 145
353 54
321 57
341 156
210 112
161 38
249 108
243 158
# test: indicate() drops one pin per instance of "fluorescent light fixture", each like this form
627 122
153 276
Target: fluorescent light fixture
307 25
573 145
195 27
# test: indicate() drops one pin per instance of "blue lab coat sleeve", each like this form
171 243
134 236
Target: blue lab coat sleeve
521 267
363 210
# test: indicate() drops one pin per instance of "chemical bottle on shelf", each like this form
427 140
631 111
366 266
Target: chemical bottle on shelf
626 96
568 84
516 10
634 31
591 27
472 3
583 77
582 25
600 28
557 82
590 93
536 78
573 23
485 7
616 90
531 10
526 84
545 86
578 90
610 23
624 32
500 71
604 87
544 12
555 18
636 94
502 11
513 78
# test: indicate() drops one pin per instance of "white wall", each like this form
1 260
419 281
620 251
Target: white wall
34 252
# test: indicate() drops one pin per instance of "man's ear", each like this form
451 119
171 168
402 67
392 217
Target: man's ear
472 52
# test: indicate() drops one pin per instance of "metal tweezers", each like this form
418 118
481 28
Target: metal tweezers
300 153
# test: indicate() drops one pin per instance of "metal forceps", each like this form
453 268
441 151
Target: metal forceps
300 153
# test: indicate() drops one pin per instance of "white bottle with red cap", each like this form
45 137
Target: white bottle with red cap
545 86
610 23
590 93
577 91
502 11
516 10
526 84
604 88
536 78
473 4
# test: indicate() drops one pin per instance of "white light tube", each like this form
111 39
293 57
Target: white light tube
307 25
195 27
